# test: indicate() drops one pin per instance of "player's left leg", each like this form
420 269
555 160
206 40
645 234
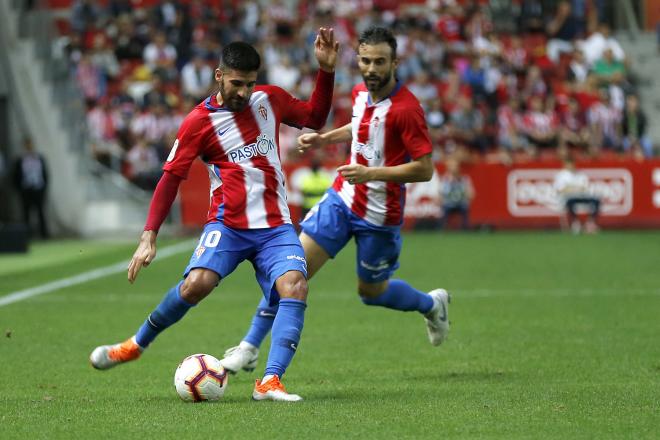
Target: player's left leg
378 251
324 233
281 272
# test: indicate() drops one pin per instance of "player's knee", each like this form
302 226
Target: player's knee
197 285
292 285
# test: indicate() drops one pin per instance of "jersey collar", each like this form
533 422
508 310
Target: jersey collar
396 88
211 103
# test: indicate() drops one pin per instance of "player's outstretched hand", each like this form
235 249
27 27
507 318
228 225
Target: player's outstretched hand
309 140
326 48
354 173
143 256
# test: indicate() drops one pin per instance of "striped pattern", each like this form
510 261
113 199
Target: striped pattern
383 135
241 151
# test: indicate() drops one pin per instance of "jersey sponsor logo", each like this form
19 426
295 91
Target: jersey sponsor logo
367 150
531 193
173 151
263 112
262 147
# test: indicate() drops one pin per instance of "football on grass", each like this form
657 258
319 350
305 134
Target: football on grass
200 377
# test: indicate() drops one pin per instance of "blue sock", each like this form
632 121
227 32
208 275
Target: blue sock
286 334
170 310
261 323
400 295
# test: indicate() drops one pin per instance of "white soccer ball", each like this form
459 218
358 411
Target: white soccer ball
200 377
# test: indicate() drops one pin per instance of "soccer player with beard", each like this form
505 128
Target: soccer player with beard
389 146
235 133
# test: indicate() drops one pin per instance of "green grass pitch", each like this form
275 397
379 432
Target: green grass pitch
553 336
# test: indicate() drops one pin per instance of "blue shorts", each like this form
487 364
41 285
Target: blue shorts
272 252
331 224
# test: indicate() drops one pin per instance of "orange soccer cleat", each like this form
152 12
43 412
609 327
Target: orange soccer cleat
108 356
272 389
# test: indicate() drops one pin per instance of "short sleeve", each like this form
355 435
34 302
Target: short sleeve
187 146
414 133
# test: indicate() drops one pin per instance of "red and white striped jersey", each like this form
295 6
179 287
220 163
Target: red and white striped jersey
241 151
387 133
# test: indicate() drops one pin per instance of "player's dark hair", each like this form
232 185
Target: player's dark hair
377 35
240 56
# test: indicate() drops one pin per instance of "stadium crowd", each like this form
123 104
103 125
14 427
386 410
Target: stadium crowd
500 80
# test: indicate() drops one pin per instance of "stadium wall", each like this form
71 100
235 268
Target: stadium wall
520 196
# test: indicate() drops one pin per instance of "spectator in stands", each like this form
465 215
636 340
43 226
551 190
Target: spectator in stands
101 124
578 69
594 47
104 57
160 56
608 70
531 16
516 56
196 78
540 126
451 90
574 130
423 90
31 181
283 73
90 78
572 188
466 126
456 193
561 31
143 165
605 124
633 127
534 84
84 14
509 135
128 44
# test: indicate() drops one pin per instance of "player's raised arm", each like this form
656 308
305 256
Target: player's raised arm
313 113
316 140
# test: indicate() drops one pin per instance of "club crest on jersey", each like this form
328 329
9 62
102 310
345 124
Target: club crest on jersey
368 151
375 122
262 147
263 112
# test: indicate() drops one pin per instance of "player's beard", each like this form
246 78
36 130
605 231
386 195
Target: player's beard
378 81
233 103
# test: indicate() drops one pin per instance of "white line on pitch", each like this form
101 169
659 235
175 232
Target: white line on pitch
86 276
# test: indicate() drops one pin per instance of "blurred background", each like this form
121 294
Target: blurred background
92 94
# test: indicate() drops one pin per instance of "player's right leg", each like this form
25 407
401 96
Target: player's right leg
213 259
378 250
176 303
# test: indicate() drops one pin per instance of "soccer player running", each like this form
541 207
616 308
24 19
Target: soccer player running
388 129
235 134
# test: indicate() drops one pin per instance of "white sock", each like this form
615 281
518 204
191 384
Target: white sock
266 378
